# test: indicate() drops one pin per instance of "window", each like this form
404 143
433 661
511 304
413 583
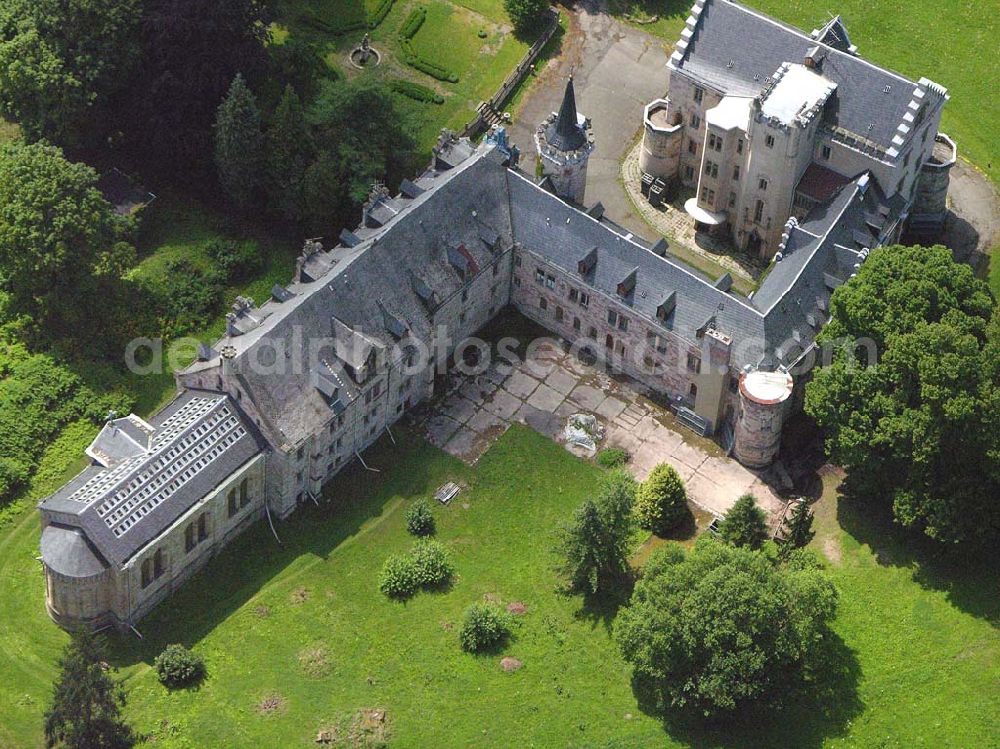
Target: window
244 493
732 200
688 172
517 282
550 281
736 172
543 302
758 211
693 362
189 542
707 196
147 572
592 332
609 342
461 318
695 121
660 344
158 564
340 442
340 420
769 141
693 390
762 183
373 392
465 295
623 323
559 314
711 169
699 94
739 146
649 363
231 502
714 142
612 317
734 385
584 299
825 151
202 527
576 324
574 295
517 261
692 146
621 349
539 276
299 453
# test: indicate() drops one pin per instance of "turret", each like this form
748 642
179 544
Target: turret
564 142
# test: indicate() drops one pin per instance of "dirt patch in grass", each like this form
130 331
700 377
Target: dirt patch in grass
493 598
315 662
516 607
831 549
509 664
262 612
271 704
299 596
368 728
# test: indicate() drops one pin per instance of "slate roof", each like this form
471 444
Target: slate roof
820 183
200 439
737 49
67 551
565 133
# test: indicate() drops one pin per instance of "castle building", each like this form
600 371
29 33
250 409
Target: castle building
301 384
765 122
564 143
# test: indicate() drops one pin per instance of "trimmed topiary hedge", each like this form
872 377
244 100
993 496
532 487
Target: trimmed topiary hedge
376 18
407 31
416 92
413 22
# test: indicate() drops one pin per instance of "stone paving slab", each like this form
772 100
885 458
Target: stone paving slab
587 397
610 407
546 399
520 384
458 408
503 404
484 420
463 444
439 429
561 380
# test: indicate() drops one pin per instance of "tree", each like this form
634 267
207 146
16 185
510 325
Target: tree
61 244
289 152
799 529
661 500
913 422
239 143
63 63
191 51
593 547
745 524
361 136
721 627
525 14
87 702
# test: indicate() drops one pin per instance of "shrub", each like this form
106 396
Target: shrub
612 457
379 14
419 520
184 296
661 501
432 565
483 626
525 15
177 666
416 92
13 475
745 524
413 22
398 578
237 261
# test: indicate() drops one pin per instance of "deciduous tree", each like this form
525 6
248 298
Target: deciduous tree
525 15
721 627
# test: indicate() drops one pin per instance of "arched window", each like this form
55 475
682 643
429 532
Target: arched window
693 390
157 564
147 572
231 502
244 493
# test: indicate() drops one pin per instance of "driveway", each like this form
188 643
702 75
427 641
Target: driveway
616 70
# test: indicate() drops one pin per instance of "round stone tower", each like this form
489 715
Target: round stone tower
930 203
763 400
564 143
661 140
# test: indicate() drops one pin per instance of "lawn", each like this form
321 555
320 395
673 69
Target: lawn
304 624
449 37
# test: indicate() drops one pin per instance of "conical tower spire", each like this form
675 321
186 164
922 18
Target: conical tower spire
567 135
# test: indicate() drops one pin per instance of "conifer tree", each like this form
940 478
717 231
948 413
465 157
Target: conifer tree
744 524
290 152
799 529
239 143
87 701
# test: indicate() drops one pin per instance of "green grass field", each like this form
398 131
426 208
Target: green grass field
304 623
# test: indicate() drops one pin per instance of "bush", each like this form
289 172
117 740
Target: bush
416 92
484 626
612 457
184 296
525 15
237 261
398 578
413 22
13 476
379 14
431 564
661 501
419 520
177 666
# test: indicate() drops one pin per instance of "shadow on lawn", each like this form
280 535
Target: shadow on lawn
969 578
822 709
244 567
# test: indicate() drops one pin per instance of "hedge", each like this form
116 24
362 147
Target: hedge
407 31
413 22
316 23
416 91
376 18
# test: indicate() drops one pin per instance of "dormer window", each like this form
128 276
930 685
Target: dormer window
627 285
587 263
665 309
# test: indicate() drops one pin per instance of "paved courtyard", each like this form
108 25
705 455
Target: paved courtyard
552 385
